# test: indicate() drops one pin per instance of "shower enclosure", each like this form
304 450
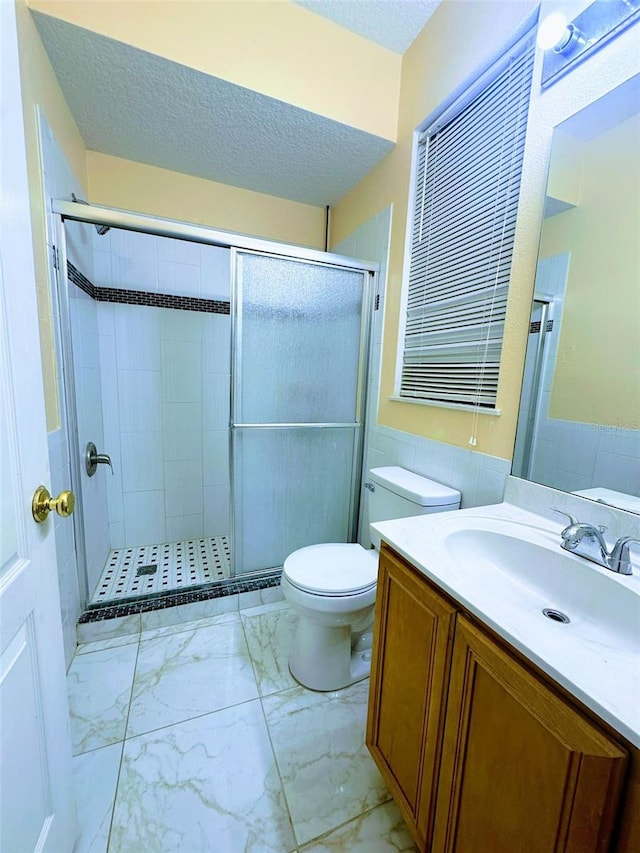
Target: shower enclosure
298 378
225 379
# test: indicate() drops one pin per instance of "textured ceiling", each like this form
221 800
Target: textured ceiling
139 106
391 23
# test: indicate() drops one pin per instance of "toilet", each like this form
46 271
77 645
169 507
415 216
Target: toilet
333 586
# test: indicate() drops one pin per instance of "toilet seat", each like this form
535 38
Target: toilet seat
332 569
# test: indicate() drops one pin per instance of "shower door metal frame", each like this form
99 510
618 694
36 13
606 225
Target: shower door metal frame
131 221
63 209
369 288
546 303
69 404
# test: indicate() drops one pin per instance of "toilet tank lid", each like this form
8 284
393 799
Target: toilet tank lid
414 487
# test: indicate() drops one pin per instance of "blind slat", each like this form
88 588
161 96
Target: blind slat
464 211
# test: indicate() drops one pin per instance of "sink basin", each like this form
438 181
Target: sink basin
504 565
527 569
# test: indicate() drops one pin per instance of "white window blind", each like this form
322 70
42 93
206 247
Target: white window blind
467 186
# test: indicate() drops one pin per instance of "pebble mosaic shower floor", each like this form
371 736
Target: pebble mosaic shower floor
143 571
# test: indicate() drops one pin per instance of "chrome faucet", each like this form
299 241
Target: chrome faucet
587 541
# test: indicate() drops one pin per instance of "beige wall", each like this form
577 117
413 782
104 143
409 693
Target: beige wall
461 36
271 46
115 182
40 88
597 376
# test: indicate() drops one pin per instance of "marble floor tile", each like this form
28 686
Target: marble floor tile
190 673
189 612
99 686
204 785
382 830
110 643
95 777
256 597
269 631
89 632
265 607
177 627
318 739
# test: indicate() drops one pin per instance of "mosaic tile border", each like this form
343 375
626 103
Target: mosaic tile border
536 326
144 297
163 600
80 280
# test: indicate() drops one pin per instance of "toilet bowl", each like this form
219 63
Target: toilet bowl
333 589
333 586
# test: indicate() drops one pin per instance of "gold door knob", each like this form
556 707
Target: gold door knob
43 504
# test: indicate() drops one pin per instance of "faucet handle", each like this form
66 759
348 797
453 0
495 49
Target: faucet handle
572 518
619 558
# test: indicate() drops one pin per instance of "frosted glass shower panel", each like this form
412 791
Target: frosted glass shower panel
298 351
292 488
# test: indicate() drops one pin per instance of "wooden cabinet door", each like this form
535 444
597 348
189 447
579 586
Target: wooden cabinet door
410 668
520 770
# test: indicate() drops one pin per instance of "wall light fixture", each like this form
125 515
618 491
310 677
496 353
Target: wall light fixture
567 43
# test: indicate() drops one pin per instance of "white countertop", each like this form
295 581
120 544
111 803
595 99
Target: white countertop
600 671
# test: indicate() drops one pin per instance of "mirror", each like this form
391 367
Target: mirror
579 422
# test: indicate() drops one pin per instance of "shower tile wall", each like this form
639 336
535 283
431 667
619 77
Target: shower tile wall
165 390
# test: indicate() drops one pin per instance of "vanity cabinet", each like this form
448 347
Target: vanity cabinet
410 669
520 767
479 751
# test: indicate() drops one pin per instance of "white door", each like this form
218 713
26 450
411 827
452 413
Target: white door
36 801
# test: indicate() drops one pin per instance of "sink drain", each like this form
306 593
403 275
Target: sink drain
556 615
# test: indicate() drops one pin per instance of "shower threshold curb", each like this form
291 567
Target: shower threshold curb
161 600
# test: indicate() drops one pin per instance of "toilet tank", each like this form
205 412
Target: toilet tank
398 493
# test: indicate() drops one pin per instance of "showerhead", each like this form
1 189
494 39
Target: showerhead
101 229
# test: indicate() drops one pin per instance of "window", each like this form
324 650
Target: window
467 185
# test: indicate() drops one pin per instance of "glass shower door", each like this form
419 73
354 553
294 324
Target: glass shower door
300 334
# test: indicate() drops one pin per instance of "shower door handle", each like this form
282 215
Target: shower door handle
92 459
